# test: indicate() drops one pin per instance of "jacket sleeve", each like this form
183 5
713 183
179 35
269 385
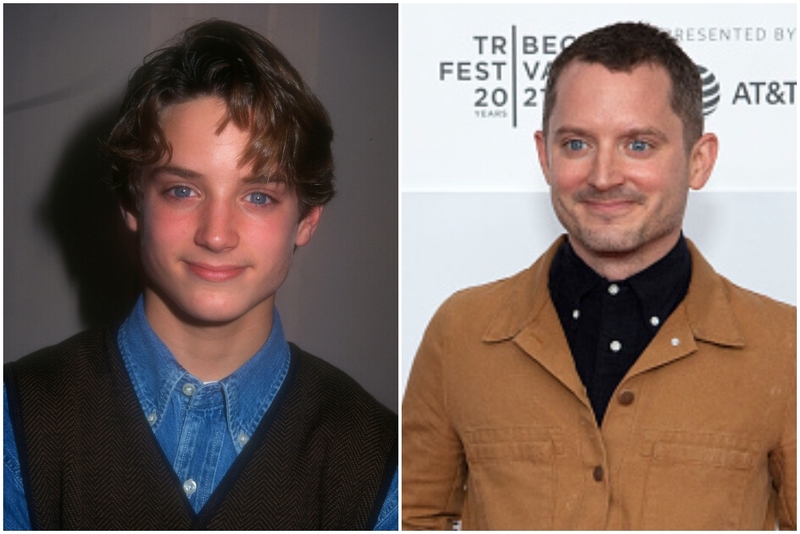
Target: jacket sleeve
434 468
783 464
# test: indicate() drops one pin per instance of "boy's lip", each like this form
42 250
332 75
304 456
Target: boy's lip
215 273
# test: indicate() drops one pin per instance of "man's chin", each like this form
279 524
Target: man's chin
607 243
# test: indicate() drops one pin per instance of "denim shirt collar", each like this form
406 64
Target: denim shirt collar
156 375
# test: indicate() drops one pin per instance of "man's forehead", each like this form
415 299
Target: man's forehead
581 78
578 68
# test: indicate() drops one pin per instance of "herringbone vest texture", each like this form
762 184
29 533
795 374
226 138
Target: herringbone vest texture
322 457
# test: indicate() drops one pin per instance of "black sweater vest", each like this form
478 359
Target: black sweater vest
322 457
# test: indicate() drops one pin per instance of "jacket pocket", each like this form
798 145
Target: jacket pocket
695 480
511 478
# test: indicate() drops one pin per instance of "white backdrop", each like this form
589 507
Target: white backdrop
475 207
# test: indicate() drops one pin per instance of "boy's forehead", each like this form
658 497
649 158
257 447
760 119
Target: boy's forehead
206 115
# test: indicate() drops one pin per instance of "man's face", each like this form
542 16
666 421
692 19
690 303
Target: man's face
216 243
616 162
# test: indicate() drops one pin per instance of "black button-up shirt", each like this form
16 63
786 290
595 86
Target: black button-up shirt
609 324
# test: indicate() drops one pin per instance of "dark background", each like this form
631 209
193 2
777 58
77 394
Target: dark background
66 265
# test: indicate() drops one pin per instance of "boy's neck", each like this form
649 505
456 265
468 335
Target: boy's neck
210 351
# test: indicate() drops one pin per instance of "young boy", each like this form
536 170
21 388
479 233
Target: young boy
196 412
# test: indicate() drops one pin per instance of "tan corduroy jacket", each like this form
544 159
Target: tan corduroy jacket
700 434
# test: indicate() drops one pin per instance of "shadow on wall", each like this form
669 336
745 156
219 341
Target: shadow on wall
82 214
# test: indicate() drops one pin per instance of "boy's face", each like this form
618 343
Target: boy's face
216 243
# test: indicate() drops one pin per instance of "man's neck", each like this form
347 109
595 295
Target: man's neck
616 266
209 351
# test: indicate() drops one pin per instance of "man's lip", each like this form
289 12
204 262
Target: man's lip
609 206
215 273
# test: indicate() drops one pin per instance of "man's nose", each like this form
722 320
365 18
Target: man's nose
606 172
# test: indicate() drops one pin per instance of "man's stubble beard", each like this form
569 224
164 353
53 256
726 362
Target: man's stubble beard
610 241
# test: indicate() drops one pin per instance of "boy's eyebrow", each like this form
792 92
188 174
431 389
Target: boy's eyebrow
253 178
189 174
177 171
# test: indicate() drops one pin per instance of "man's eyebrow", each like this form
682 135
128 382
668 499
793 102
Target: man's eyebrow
630 133
646 132
571 130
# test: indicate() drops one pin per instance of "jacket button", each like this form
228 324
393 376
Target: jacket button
626 397
598 473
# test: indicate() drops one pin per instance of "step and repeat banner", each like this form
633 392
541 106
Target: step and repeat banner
475 206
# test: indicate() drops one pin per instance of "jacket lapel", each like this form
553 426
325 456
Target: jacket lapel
705 315
528 318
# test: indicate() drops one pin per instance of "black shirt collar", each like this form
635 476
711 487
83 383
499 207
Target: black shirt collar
657 286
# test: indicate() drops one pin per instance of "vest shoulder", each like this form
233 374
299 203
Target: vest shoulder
89 347
335 386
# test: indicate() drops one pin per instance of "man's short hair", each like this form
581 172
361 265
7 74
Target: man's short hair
290 131
625 46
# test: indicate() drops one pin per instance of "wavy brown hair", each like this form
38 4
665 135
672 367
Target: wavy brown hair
290 131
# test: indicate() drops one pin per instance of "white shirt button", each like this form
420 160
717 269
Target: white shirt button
615 346
655 321
190 486
576 314
151 418
675 341
242 439
613 289
188 390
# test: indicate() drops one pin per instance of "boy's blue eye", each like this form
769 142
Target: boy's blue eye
182 192
258 198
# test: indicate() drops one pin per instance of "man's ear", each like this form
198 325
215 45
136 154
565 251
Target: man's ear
702 159
131 219
307 226
541 149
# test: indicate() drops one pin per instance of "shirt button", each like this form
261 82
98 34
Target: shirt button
190 486
613 289
597 474
626 398
655 321
675 341
188 390
151 418
615 346
576 314
242 439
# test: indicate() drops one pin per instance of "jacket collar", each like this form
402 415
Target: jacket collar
527 316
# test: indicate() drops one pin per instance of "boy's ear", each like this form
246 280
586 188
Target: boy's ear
307 226
131 219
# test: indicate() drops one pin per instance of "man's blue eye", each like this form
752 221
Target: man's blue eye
258 198
639 146
576 144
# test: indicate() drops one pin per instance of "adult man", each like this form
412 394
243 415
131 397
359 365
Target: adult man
196 407
619 382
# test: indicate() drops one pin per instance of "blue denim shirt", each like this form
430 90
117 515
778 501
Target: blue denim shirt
201 427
